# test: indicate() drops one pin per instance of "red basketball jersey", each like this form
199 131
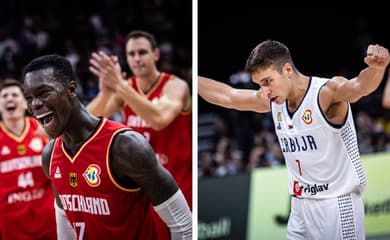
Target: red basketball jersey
26 197
173 144
96 205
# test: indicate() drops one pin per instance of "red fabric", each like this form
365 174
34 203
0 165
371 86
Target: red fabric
26 197
173 144
95 204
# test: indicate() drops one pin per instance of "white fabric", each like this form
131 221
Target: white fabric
64 228
340 218
323 160
177 215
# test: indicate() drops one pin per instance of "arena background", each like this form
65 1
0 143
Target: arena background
76 28
252 201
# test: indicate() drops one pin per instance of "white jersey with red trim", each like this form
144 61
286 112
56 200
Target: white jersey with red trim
322 159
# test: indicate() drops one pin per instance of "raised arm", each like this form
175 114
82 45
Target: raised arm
386 93
175 97
368 80
134 164
105 103
223 95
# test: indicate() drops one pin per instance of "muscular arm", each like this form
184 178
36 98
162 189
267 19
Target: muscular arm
366 82
175 99
134 161
104 105
223 95
339 91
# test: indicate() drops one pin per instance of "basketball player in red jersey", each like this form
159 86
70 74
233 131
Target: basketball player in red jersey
106 176
155 103
26 196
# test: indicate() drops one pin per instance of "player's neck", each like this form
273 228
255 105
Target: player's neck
80 130
147 83
16 126
298 90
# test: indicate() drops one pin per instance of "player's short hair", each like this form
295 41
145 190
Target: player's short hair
10 82
143 34
62 69
268 53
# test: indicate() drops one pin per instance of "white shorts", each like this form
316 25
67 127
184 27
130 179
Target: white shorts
333 218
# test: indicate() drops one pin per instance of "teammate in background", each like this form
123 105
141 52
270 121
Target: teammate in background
106 176
154 103
314 124
26 196
386 93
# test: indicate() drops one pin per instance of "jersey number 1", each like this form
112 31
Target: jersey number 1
299 166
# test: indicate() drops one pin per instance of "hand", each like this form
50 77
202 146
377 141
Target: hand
108 70
377 57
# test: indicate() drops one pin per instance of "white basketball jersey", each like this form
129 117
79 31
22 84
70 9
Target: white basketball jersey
323 160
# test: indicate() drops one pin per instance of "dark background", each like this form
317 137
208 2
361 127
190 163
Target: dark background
324 41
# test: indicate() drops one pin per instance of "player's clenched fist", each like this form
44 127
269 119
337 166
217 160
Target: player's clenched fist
377 56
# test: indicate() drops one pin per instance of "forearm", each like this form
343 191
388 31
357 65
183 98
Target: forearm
177 215
64 229
368 80
214 92
149 112
98 105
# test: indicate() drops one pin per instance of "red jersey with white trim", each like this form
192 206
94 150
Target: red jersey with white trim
26 196
172 144
96 205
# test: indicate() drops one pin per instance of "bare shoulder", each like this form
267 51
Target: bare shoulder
177 83
132 151
332 86
46 156
335 82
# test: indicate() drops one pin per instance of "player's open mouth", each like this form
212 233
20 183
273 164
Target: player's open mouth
273 99
45 118
11 109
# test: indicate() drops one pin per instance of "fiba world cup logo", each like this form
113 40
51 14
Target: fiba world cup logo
306 117
92 175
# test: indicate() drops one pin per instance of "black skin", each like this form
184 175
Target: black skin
134 164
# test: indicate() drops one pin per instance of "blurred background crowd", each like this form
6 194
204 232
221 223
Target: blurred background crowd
75 29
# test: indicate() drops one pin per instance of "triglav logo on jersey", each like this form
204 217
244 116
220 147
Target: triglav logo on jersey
92 175
73 179
297 189
309 189
306 117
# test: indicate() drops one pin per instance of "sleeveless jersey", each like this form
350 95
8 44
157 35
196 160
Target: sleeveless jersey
172 144
26 197
322 159
95 204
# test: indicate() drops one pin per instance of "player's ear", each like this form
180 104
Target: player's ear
72 89
288 69
156 52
